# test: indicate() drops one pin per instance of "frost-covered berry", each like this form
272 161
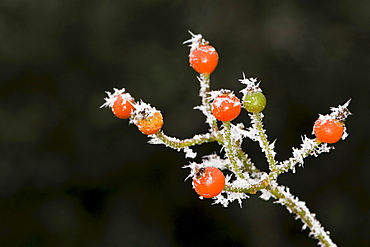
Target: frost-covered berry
209 181
203 58
226 107
254 101
151 124
123 106
328 129
121 103
148 119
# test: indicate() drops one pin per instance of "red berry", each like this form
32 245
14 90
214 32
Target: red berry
203 59
209 182
328 129
123 106
151 124
226 107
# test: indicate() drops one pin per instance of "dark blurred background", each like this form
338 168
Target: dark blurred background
72 174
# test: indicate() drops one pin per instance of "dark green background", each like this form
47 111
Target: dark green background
72 174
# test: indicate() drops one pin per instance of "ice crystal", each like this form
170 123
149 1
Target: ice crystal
345 133
237 132
215 93
341 112
204 86
194 168
142 110
251 132
216 161
112 97
208 160
322 148
251 85
189 153
157 141
265 195
195 41
226 198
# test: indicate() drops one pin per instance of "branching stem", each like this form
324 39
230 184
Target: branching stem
291 162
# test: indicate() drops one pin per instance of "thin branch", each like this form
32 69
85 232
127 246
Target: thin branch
299 208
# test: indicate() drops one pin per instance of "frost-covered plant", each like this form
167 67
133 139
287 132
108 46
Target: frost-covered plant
220 107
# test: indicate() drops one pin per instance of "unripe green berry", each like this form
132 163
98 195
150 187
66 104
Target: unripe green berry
254 102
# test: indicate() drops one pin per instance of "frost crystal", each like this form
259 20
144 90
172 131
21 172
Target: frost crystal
215 93
323 148
345 133
216 161
195 41
237 132
142 110
209 160
341 112
227 197
194 167
109 101
156 141
189 153
251 85
266 195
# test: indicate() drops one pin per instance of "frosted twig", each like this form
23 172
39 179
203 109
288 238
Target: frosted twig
175 143
308 147
299 208
205 108
266 147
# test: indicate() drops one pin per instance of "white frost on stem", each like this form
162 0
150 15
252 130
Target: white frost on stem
299 208
205 107
260 136
216 161
226 197
308 147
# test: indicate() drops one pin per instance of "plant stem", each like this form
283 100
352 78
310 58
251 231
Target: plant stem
299 208
179 144
291 162
250 190
230 150
264 143
205 88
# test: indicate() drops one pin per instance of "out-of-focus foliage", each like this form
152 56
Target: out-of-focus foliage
72 174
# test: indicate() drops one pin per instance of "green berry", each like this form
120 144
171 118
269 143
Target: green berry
254 102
